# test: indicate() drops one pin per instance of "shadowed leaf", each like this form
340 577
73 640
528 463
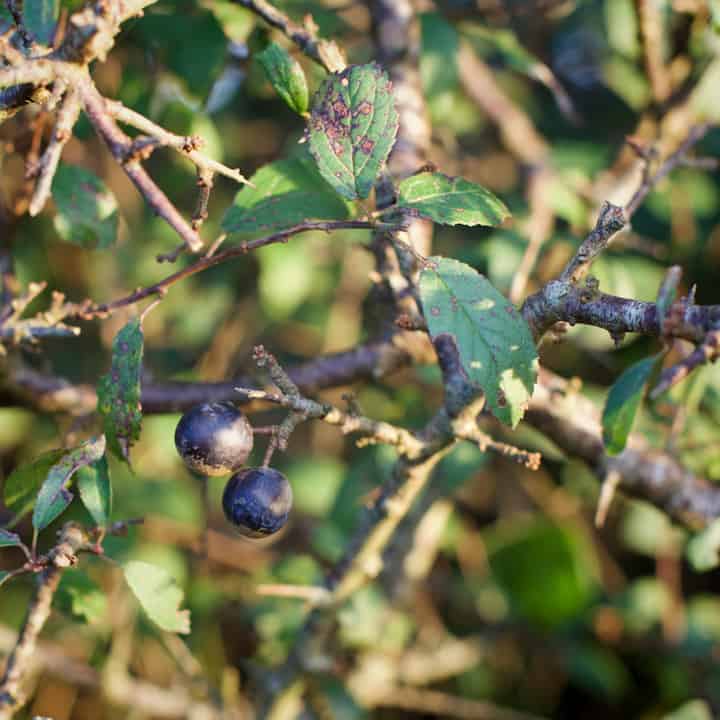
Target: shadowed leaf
9 539
24 482
622 404
494 341
86 209
119 391
53 496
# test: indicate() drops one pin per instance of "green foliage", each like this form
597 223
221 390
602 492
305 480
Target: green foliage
23 484
93 484
9 539
119 391
352 128
53 496
703 550
548 572
693 710
450 201
622 404
495 344
282 194
79 596
286 76
40 17
158 595
87 212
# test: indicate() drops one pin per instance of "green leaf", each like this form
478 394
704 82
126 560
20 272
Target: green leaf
494 342
24 482
286 76
87 212
703 549
285 193
159 595
352 128
54 497
548 572
450 201
119 391
40 18
9 539
93 483
80 596
693 710
622 404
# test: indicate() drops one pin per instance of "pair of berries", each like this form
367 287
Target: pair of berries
216 439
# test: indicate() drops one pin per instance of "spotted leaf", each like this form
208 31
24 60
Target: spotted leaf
450 201
494 342
352 128
119 391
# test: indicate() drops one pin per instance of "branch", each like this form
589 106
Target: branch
324 52
88 310
573 423
72 539
122 149
186 145
67 116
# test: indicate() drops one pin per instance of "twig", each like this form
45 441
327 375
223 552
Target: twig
72 539
324 52
67 116
15 8
653 36
121 148
611 220
708 351
694 136
434 702
206 262
189 146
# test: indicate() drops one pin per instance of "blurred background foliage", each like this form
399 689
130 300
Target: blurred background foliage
511 595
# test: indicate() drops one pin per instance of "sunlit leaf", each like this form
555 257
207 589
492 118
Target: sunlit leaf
119 391
158 594
283 193
286 76
693 710
352 128
93 484
86 209
494 342
622 404
81 597
450 201
703 549
53 497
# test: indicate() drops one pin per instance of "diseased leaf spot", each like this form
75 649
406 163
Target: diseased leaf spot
367 145
435 311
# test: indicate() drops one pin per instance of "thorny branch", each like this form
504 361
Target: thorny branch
72 539
573 297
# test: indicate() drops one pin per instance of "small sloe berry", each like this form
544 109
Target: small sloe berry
257 501
214 438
